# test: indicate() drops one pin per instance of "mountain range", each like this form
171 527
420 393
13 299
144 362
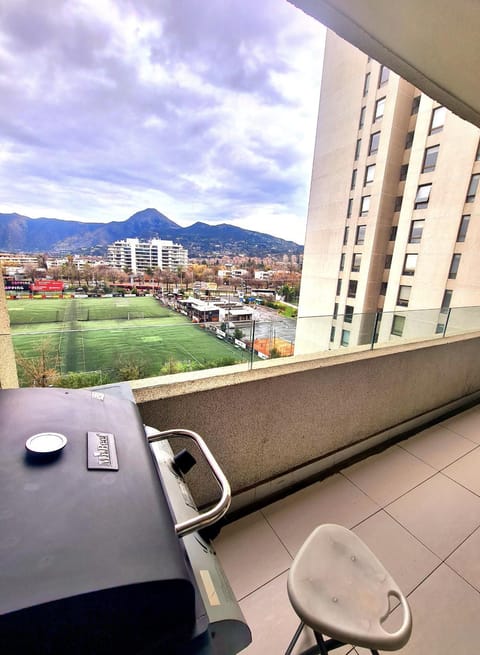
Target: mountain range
51 235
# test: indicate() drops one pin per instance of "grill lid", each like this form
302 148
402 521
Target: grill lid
88 553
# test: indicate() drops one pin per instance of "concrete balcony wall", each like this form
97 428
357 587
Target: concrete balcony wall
274 426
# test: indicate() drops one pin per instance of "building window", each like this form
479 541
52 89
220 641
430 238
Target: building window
423 196
354 179
352 288
403 172
348 316
379 108
438 120
335 308
356 262
415 105
366 84
452 274
388 261
361 122
383 77
403 295
360 237
393 233
410 264
462 230
472 188
349 207
345 338
339 286
409 140
398 325
374 141
383 288
477 155
447 299
369 174
342 261
345 236
357 149
332 333
398 203
416 230
430 159
365 205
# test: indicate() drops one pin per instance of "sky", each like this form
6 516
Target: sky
203 109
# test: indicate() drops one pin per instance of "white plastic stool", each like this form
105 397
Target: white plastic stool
339 589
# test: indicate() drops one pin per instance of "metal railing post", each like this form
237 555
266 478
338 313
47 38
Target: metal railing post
374 332
446 323
253 344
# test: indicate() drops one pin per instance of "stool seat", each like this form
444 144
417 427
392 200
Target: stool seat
338 588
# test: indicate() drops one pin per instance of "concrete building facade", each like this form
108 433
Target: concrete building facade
138 256
393 222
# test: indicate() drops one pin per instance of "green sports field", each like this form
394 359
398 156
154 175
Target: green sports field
122 337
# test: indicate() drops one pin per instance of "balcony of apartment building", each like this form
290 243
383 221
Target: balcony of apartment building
416 504
383 440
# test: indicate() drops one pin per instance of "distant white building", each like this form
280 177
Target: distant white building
232 272
263 275
137 255
13 263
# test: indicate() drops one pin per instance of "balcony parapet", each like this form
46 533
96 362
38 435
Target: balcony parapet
274 427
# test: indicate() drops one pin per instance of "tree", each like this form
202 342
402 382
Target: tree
69 270
180 272
29 271
40 370
87 273
55 272
101 272
170 367
130 367
114 275
42 261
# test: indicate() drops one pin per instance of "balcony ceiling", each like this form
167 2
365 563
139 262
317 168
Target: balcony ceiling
434 44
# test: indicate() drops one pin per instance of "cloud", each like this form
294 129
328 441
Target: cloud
110 106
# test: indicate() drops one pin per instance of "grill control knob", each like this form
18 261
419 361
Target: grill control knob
183 461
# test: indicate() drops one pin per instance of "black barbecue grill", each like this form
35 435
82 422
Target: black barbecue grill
99 549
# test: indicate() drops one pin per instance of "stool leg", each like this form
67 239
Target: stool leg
295 638
321 643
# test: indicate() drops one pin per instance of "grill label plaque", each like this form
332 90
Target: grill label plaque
101 451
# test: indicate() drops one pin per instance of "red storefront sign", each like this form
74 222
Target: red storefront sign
47 285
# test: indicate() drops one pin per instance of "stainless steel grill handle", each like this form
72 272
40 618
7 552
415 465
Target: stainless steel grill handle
216 512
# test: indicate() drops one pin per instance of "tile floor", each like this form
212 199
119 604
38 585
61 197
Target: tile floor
417 505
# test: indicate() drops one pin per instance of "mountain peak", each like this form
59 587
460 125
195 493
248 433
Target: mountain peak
151 215
21 233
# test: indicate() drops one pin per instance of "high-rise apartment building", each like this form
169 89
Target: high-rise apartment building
393 223
137 256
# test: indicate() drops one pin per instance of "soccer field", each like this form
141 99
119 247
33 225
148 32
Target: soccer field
114 335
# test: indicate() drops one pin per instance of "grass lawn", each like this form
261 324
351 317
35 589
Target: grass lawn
83 309
93 334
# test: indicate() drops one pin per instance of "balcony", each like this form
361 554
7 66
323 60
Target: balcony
416 504
302 432
304 420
